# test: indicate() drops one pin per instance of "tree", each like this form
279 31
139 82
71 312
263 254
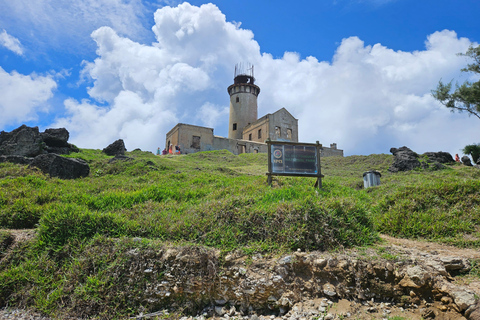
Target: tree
473 150
466 97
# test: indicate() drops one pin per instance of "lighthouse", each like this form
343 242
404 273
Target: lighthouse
243 101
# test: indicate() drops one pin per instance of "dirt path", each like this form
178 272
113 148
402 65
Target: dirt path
430 247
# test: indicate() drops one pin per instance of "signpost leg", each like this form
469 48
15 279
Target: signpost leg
319 179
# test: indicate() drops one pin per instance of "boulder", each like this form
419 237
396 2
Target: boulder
29 142
16 159
23 141
466 161
56 141
61 167
404 160
440 157
56 137
116 148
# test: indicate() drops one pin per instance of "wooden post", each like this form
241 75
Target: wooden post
269 155
319 179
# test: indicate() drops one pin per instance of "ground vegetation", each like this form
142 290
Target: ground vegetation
72 259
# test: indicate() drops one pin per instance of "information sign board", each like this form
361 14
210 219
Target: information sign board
294 159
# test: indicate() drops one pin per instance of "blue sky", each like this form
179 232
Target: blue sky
355 72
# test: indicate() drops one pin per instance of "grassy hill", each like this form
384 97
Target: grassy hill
213 199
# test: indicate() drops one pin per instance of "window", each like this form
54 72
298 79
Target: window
195 142
289 133
234 126
250 137
237 99
259 133
278 132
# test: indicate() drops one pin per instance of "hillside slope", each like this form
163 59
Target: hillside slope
85 231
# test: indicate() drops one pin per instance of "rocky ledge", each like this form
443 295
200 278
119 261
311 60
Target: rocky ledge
368 283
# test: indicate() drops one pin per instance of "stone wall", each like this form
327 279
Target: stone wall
190 138
331 152
238 146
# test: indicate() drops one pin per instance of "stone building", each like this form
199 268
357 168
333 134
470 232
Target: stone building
246 133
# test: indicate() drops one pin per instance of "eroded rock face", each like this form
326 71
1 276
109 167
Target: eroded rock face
29 142
193 279
440 157
23 141
404 160
61 167
116 148
56 141
16 159
26 145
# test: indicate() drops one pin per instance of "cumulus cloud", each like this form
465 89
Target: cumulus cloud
11 43
371 98
213 116
65 25
367 99
23 96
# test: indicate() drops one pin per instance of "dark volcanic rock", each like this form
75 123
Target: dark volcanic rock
16 159
23 141
466 161
56 141
119 157
29 142
440 157
116 148
60 167
56 137
404 160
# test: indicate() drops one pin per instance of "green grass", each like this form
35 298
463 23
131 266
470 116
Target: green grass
209 199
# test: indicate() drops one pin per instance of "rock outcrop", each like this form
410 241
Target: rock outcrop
23 141
29 142
440 157
16 159
193 279
61 167
405 160
26 145
115 148
56 141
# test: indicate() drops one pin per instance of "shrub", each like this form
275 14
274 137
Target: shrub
473 150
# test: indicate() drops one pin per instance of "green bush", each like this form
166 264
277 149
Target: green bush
73 222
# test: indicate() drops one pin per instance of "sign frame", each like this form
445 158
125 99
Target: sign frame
289 166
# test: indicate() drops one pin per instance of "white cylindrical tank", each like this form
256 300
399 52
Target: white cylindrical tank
371 179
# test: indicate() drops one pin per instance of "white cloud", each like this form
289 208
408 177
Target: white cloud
11 43
65 25
213 116
23 96
368 99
